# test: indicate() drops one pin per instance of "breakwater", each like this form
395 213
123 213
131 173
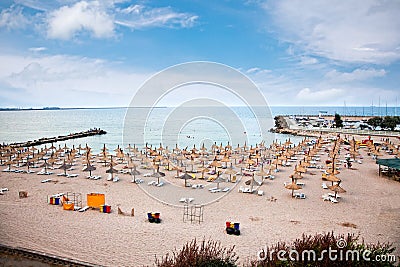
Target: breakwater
48 140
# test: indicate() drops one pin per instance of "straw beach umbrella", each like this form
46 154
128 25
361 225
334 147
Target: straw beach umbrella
337 189
226 160
111 170
186 177
203 170
157 175
230 172
218 180
45 164
134 172
215 164
262 173
89 168
332 178
65 166
293 186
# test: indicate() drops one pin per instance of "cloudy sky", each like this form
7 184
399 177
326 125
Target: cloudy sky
298 52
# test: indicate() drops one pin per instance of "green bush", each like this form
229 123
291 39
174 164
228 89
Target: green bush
206 253
324 242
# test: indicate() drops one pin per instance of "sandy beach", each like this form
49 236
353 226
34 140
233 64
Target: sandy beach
371 203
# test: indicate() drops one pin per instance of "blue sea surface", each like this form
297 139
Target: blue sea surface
20 126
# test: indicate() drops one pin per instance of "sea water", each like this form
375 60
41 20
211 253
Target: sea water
21 126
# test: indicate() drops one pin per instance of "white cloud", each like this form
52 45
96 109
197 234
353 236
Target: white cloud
256 71
348 31
355 75
67 81
67 21
305 60
138 16
12 18
306 95
37 49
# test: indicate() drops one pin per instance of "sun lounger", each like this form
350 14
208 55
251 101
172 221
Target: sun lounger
248 190
300 195
333 200
58 195
116 179
300 184
72 175
333 195
212 189
260 192
151 183
241 189
215 190
186 200
326 197
147 175
46 180
226 189
2 190
84 209
160 184
109 178
324 186
61 174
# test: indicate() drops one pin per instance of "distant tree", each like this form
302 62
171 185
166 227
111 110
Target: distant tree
364 126
338 121
389 122
277 124
375 122
397 119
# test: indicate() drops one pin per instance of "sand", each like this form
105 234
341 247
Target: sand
371 202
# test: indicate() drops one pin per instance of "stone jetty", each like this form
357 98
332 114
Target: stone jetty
47 140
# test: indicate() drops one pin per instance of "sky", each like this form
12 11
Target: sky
298 52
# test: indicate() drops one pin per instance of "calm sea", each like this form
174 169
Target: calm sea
19 126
